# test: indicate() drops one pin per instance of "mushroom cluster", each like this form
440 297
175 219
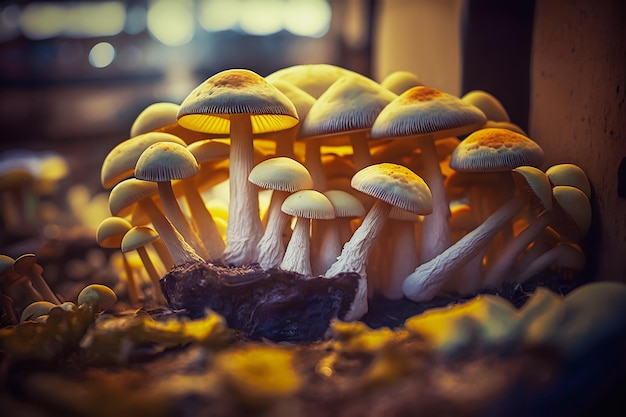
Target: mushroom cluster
468 204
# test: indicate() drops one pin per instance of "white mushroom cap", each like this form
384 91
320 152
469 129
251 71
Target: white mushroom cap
400 81
345 204
128 192
137 237
281 173
161 117
111 231
395 185
163 162
489 104
569 174
309 204
312 78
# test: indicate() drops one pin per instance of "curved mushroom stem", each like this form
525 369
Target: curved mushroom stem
563 254
499 269
244 229
178 219
426 281
435 228
270 249
204 223
297 256
180 250
355 252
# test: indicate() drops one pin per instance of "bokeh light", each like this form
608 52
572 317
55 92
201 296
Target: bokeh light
262 17
101 55
171 22
216 15
307 18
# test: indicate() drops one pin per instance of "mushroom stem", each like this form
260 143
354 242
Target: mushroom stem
313 162
426 281
244 228
361 156
163 253
564 254
180 250
435 227
178 219
355 252
502 266
41 285
204 223
270 248
131 286
297 255
152 273
404 258
329 245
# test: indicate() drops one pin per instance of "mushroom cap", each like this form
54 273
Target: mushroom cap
312 78
161 117
345 204
309 204
120 162
400 81
505 125
574 208
395 185
491 106
6 268
300 98
350 104
137 237
281 173
164 162
128 192
569 174
425 111
236 91
495 149
35 310
534 181
111 231
98 295
209 150
25 263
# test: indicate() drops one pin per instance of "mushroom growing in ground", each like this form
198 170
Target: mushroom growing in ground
239 103
304 205
284 176
27 265
425 114
391 185
426 281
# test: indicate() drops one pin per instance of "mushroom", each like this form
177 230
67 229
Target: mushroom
161 117
97 296
27 265
133 192
284 176
9 278
314 79
348 107
491 106
109 234
569 174
35 310
136 239
400 81
564 255
239 103
119 164
428 278
391 185
346 207
304 205
162 163
426 114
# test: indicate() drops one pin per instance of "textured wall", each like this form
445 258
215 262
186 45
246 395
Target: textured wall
578 111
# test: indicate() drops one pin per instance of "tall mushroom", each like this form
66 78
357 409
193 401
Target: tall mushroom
304 205
426 114
284 176
239 103
391 185
163 163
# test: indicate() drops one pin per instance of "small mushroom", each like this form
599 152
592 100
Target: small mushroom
391 185
489 104
128 194
161 117
97 296
304 205
400 81
284 176
27 265
137 239
35 310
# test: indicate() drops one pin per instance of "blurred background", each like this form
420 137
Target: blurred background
74 75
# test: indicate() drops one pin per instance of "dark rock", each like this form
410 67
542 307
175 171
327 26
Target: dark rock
273 304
